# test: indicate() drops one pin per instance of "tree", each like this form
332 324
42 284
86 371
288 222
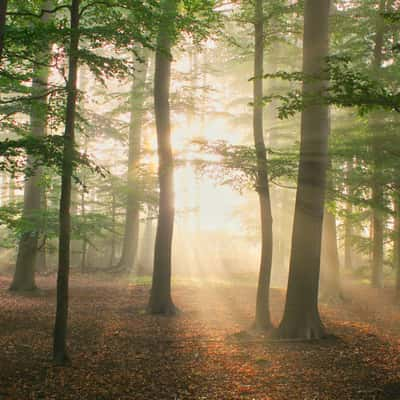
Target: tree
60 355
131 234
262 318
160 301
24 276
301 318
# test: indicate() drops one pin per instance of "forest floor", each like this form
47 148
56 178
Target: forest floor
120 352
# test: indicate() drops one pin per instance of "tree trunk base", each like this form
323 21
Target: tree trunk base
262 326
168 308
23 287
301 329
61 359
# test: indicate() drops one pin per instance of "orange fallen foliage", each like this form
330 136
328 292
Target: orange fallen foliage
119 352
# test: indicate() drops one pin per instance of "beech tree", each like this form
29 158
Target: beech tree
131 234
104 66
301 318
196 20
60 355
160 301
262 318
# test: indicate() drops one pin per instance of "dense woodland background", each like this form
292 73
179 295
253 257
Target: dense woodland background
159 146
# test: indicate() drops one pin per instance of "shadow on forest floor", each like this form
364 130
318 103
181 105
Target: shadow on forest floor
119 352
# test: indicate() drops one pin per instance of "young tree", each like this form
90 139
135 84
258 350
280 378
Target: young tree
160 301
60 355
301 318
262 317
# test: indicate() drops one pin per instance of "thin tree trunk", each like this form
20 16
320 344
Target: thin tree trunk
160 301
113 218
330 264
84 239
60 355
377 192
145 264
262 318
301 318
24 276
348 231
131 234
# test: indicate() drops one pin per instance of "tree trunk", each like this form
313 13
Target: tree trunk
262 318
3 14
330 264
113 218
160 297
377 192
301 318
84 243
60 355
145 264
348 232
24 276
131 234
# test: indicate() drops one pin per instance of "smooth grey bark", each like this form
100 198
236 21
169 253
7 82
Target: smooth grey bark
301 319
262 317
24 275
160 301
131 231
60 355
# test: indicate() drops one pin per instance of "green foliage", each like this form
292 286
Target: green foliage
236 165
346 87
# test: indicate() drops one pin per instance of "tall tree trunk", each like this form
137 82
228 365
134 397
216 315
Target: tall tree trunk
377 192
60 355
301 318
24 275
330 264
262 318
131 234
3 14
160 301
348 232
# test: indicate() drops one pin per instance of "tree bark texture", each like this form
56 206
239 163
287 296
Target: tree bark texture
301 318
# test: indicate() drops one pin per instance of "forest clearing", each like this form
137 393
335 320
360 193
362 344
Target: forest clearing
200 199
206 352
